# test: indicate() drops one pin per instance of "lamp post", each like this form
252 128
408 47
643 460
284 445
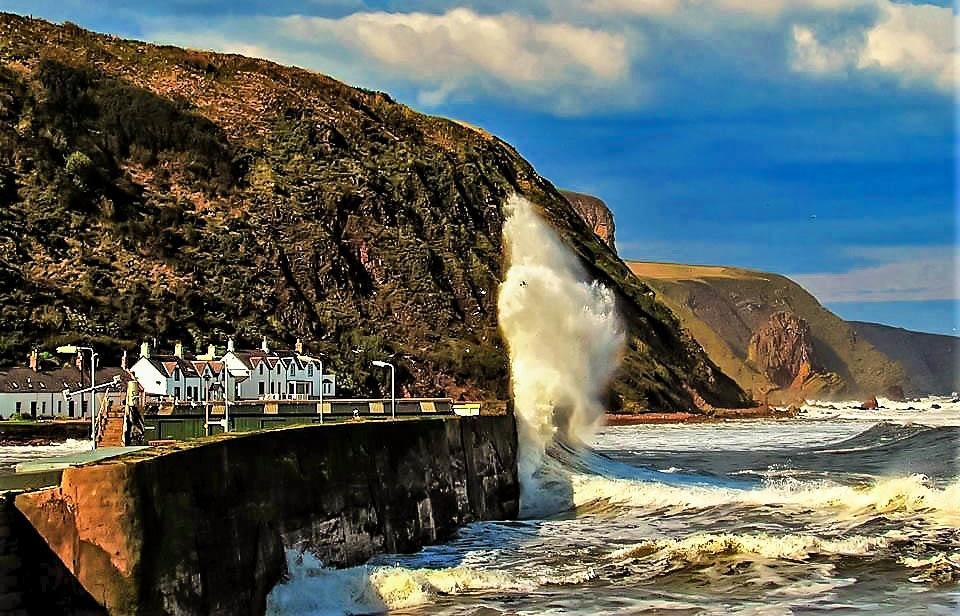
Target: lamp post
72 349
393 395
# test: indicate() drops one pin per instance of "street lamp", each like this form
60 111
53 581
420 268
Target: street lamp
72 349
393 395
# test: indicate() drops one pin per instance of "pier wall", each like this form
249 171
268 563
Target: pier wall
203 527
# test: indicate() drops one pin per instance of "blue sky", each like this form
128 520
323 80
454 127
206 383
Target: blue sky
809 137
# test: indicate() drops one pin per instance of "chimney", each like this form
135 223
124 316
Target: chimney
263 345
145 349
230 347
123 360
212 351
298 347
34 361
178 350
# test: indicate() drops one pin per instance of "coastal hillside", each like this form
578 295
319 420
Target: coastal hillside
932 361
151 192
773 337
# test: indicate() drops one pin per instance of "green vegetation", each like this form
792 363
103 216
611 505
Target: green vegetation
152 192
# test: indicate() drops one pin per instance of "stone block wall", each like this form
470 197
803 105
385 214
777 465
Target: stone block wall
202 528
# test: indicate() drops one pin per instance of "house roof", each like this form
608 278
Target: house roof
201 366
166 364
253 358
25 380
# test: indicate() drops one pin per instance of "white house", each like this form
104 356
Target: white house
168 376
263 374
259 374
34 392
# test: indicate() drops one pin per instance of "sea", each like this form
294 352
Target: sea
840 511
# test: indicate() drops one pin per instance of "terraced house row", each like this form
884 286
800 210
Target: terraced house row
37 390
253 374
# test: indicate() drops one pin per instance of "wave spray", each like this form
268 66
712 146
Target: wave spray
565 342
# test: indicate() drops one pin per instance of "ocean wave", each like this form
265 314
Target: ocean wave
706 547
905 495
318 590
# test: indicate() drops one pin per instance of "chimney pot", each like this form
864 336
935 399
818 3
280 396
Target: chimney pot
299 346
230 346
212 351
263 345
178 350
145 349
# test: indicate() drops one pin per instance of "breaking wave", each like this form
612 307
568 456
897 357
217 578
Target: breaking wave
565 342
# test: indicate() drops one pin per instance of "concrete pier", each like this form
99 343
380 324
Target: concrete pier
202 527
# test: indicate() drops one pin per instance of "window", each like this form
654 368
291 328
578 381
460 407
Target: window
273 388
70 408
176 393
43 408
261 369
19 407
33 408
290 388
83 408
260 387
310 370
59 407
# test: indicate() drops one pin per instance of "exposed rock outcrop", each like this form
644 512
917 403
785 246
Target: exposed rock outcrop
781 349
596 214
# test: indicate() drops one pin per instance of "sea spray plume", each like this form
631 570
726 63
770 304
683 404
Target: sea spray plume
565 342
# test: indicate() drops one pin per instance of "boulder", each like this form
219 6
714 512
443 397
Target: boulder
870 404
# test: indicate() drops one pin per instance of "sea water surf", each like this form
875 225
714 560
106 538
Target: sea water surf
831 511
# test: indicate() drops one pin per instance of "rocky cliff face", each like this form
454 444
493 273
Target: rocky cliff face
155 192
596 214
781 349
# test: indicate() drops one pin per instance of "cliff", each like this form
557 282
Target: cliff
156 192
772 336
932 361
596 214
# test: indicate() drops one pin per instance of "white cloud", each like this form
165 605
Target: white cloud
575 56
919 274
914 42
456 54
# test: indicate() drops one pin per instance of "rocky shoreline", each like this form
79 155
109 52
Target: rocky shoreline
714 415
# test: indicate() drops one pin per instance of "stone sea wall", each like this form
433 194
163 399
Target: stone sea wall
203 528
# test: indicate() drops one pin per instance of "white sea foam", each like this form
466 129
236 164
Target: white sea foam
708 546
930 411
564 339
318 590
904 495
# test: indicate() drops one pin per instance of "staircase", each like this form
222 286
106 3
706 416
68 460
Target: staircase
110 423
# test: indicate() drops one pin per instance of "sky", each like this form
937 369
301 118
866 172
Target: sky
813 138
